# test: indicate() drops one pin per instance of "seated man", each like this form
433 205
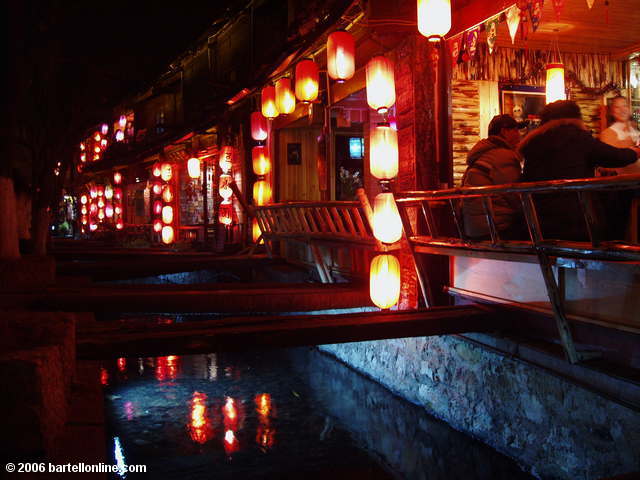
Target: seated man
494 161
562 148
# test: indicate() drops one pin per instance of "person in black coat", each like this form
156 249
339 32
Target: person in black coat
562 148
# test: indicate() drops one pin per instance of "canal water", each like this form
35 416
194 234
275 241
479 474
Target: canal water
279 414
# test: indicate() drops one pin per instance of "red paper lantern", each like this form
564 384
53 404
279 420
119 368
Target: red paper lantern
166 171
157 207
167 194
261 161
259 127
285 100
167 234
157 188
341 49
156 171
381 88
226 158
167 214
117 193
119 225
434 18
306 81
261 193
117 178
268 96
157 226
193 167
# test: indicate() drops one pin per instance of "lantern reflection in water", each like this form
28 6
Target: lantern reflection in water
167 368
129 410
230 443
104 376
265 434
200 429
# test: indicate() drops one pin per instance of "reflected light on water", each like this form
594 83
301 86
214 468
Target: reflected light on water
122 364
212 367
129 410
119 456
104 376
263 404
231 444
266 436
167 368
200 425
230 413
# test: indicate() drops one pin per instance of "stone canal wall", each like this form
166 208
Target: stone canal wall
553 427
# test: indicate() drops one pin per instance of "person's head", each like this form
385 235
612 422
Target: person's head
618 110
518 111
560 109
507 128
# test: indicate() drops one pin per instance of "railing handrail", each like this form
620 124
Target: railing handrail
620 182
310 204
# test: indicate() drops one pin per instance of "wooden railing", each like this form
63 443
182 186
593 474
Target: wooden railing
427 233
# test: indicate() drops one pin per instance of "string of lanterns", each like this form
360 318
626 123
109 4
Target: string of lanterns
163 210
225 212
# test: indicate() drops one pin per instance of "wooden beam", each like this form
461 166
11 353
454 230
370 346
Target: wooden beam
235 334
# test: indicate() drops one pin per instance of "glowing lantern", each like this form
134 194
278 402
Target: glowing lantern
122 121
83 157
97 149
119 136
100 190
157 226
101 214
83 210
119 225
341 50
108 192
256 231
261 160
96 158
104 129
285 100
555 82
167 194
193 167
83 199
384 281
93 192
167 235
117 193
117 178
100 203
383 153
108 211
269 108
167 214
381 89
157 207
259 127
84 220
306 81
226 215
387 226
156 171
261 192
226 159
97 137
118 210
93 208
103 142
157 188
82 147
224 189
93 227
166 172
434 18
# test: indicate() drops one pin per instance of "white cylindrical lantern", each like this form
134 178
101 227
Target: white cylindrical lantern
383 152
381 87
434 18
555 82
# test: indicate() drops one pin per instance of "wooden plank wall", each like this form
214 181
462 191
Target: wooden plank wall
465 113
298 182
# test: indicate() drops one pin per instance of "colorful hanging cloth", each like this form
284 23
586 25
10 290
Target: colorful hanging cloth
535 13
557 7
472 41
491 27
513 21
590 3
463 55
454 46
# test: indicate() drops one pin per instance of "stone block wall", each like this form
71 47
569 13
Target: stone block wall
554 427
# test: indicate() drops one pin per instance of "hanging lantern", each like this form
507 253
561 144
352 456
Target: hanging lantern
157 207
108 192
104 129
100 203
101 214
193 167
156 170
226 159
97 137
119 225
341 50
93 209
84 220
100 190
117 178
96 158
167 235
381 89
83 157
268 96
122 121
117 193
167 214
103 142
167 194
166 172
93 192
157 226
97 149
306 81
157 188
259 127
224 189
387 226
555 82
93 227
434 18
384 281
225 216
82 147
261 160
261 192
383 152
108 211
117 210
83 210
119 136
83 199
256 231
285 99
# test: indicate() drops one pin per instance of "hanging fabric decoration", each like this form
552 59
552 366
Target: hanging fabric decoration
535 13
557 7
606 11
523 6
472 41
454 49
590 3
491 27
513 21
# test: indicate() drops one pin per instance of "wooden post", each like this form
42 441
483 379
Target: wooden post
9 248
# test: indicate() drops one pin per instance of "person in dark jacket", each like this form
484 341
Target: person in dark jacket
563 148
494 161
